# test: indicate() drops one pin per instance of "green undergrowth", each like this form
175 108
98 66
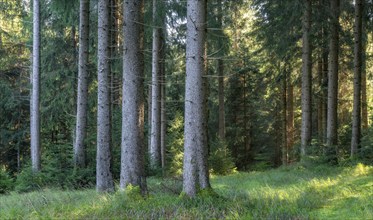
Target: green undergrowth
294 192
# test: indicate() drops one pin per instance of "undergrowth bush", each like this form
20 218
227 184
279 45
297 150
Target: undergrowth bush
175 144
220 160
6 182
27 180
57 172
365 153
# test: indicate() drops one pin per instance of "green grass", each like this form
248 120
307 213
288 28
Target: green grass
293 192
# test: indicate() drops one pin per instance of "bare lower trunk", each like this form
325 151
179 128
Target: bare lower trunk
81 115
104 179
320 100
356 112
285 153
221 77
324 90
221 100
132 153
202 153
163 101
194 144
290 117
332 126
364 101
35 103
306 81
155 151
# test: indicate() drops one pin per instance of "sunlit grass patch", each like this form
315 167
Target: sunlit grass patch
294 192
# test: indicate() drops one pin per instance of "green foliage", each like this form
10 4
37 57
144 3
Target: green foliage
365 153
292 192
57 172
27 180
133 192
175 144
6 182
220 160
320 153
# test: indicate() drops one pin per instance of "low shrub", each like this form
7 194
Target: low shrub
220 160
6 182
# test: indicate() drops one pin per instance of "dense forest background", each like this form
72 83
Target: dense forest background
253 81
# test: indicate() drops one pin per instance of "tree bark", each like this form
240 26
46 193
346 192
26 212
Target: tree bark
324 88
320 100
221 100
132 153
35 103
364 101
82 101
221 77
104 179
155 148
163 100
284 153
306 129
332 123
194 144
290 116
356 112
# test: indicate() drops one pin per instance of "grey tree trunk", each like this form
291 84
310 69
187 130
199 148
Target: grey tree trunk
306 129
221 99
35 103
194 126
284 154
155 148
149 102
132 153
320 100
81 113
202 153
356 112
290 116
221 77
324 89
163 100
364 101
332 115
104 179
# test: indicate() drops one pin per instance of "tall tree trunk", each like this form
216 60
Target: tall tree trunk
104 179
290 116
149 102
221 100
364 101
35 103
320 99
132 154
324 76
247 123
332 122
284 119
194 144
163 100
81 113
356 112
202 154
155 151
221 78
306 80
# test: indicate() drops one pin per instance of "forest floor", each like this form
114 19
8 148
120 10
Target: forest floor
294 192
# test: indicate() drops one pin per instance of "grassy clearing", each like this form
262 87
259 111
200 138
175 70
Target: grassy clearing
292 192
